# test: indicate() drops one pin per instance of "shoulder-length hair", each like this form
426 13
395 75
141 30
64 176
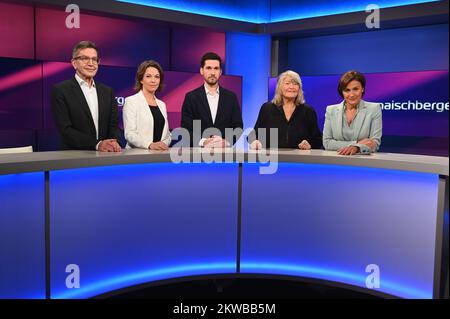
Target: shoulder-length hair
294 77
141 72
348 77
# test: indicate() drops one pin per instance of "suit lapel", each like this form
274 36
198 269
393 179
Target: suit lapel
338 128
220 107
359 120
101 106
82 101
205 105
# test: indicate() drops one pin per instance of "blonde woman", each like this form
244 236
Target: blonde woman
295 120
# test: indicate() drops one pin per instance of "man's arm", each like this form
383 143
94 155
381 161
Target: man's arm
71 136
236 118
187 118
113 129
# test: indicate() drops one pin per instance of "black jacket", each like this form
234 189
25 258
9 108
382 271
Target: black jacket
195 107
74 120
301 126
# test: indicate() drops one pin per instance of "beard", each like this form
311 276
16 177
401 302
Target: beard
211 80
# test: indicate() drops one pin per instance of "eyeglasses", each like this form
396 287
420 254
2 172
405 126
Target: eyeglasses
86 59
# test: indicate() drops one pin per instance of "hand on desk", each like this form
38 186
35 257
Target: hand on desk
158 146
110 145
349 150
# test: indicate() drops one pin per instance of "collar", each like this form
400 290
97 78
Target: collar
82 82
358 107
207 91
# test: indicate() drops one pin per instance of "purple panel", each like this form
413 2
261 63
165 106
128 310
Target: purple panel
17 138
21 94
16 30
189 45
398 87
122 81
121 42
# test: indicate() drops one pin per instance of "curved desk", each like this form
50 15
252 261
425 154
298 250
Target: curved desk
79 224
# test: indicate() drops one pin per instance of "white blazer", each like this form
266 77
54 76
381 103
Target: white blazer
138 122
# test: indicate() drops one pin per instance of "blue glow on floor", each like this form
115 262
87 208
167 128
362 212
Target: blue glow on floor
131 279
386 286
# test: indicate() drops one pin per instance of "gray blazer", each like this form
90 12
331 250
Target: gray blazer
368 124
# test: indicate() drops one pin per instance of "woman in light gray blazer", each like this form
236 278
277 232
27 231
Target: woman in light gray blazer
145 116
354 126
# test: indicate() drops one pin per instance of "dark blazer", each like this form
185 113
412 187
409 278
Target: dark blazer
74 120
301 126
196 107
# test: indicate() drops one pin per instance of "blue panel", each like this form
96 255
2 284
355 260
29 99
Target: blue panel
249 56
408 49
126 225
330 222
264 11
257 11
283 10
22 238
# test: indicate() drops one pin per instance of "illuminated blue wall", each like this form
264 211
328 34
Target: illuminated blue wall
22 246
394 50
264 11
131 224
282 10
257 11
330 222
249 56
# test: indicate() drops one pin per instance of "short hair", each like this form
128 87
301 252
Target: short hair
210 56
141 72
83 45
295 77
348 77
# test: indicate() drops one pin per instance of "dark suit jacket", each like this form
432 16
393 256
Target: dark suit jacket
195 107
74 120
301 126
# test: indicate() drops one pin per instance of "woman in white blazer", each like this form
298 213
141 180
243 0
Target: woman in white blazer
354 126
144 115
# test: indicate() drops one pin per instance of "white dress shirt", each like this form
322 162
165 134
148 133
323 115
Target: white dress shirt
90 94
213 102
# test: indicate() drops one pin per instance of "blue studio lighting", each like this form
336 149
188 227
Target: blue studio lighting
133 278
266 11
388 286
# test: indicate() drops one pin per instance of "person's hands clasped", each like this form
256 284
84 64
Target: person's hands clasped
109 145
256 145
158 146
215 142
349 150
304 145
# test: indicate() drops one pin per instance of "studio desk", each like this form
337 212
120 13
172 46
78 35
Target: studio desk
80 224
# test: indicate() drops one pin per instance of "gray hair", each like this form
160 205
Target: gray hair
83 45
295 77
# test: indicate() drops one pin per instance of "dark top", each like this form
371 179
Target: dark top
196 107
158 122
301 126
74 120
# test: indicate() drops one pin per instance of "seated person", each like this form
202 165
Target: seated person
144 115
295 120
353 126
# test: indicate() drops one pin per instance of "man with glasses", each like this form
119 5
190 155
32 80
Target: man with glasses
85 111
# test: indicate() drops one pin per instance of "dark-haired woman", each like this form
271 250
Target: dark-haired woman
144 115
354 126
